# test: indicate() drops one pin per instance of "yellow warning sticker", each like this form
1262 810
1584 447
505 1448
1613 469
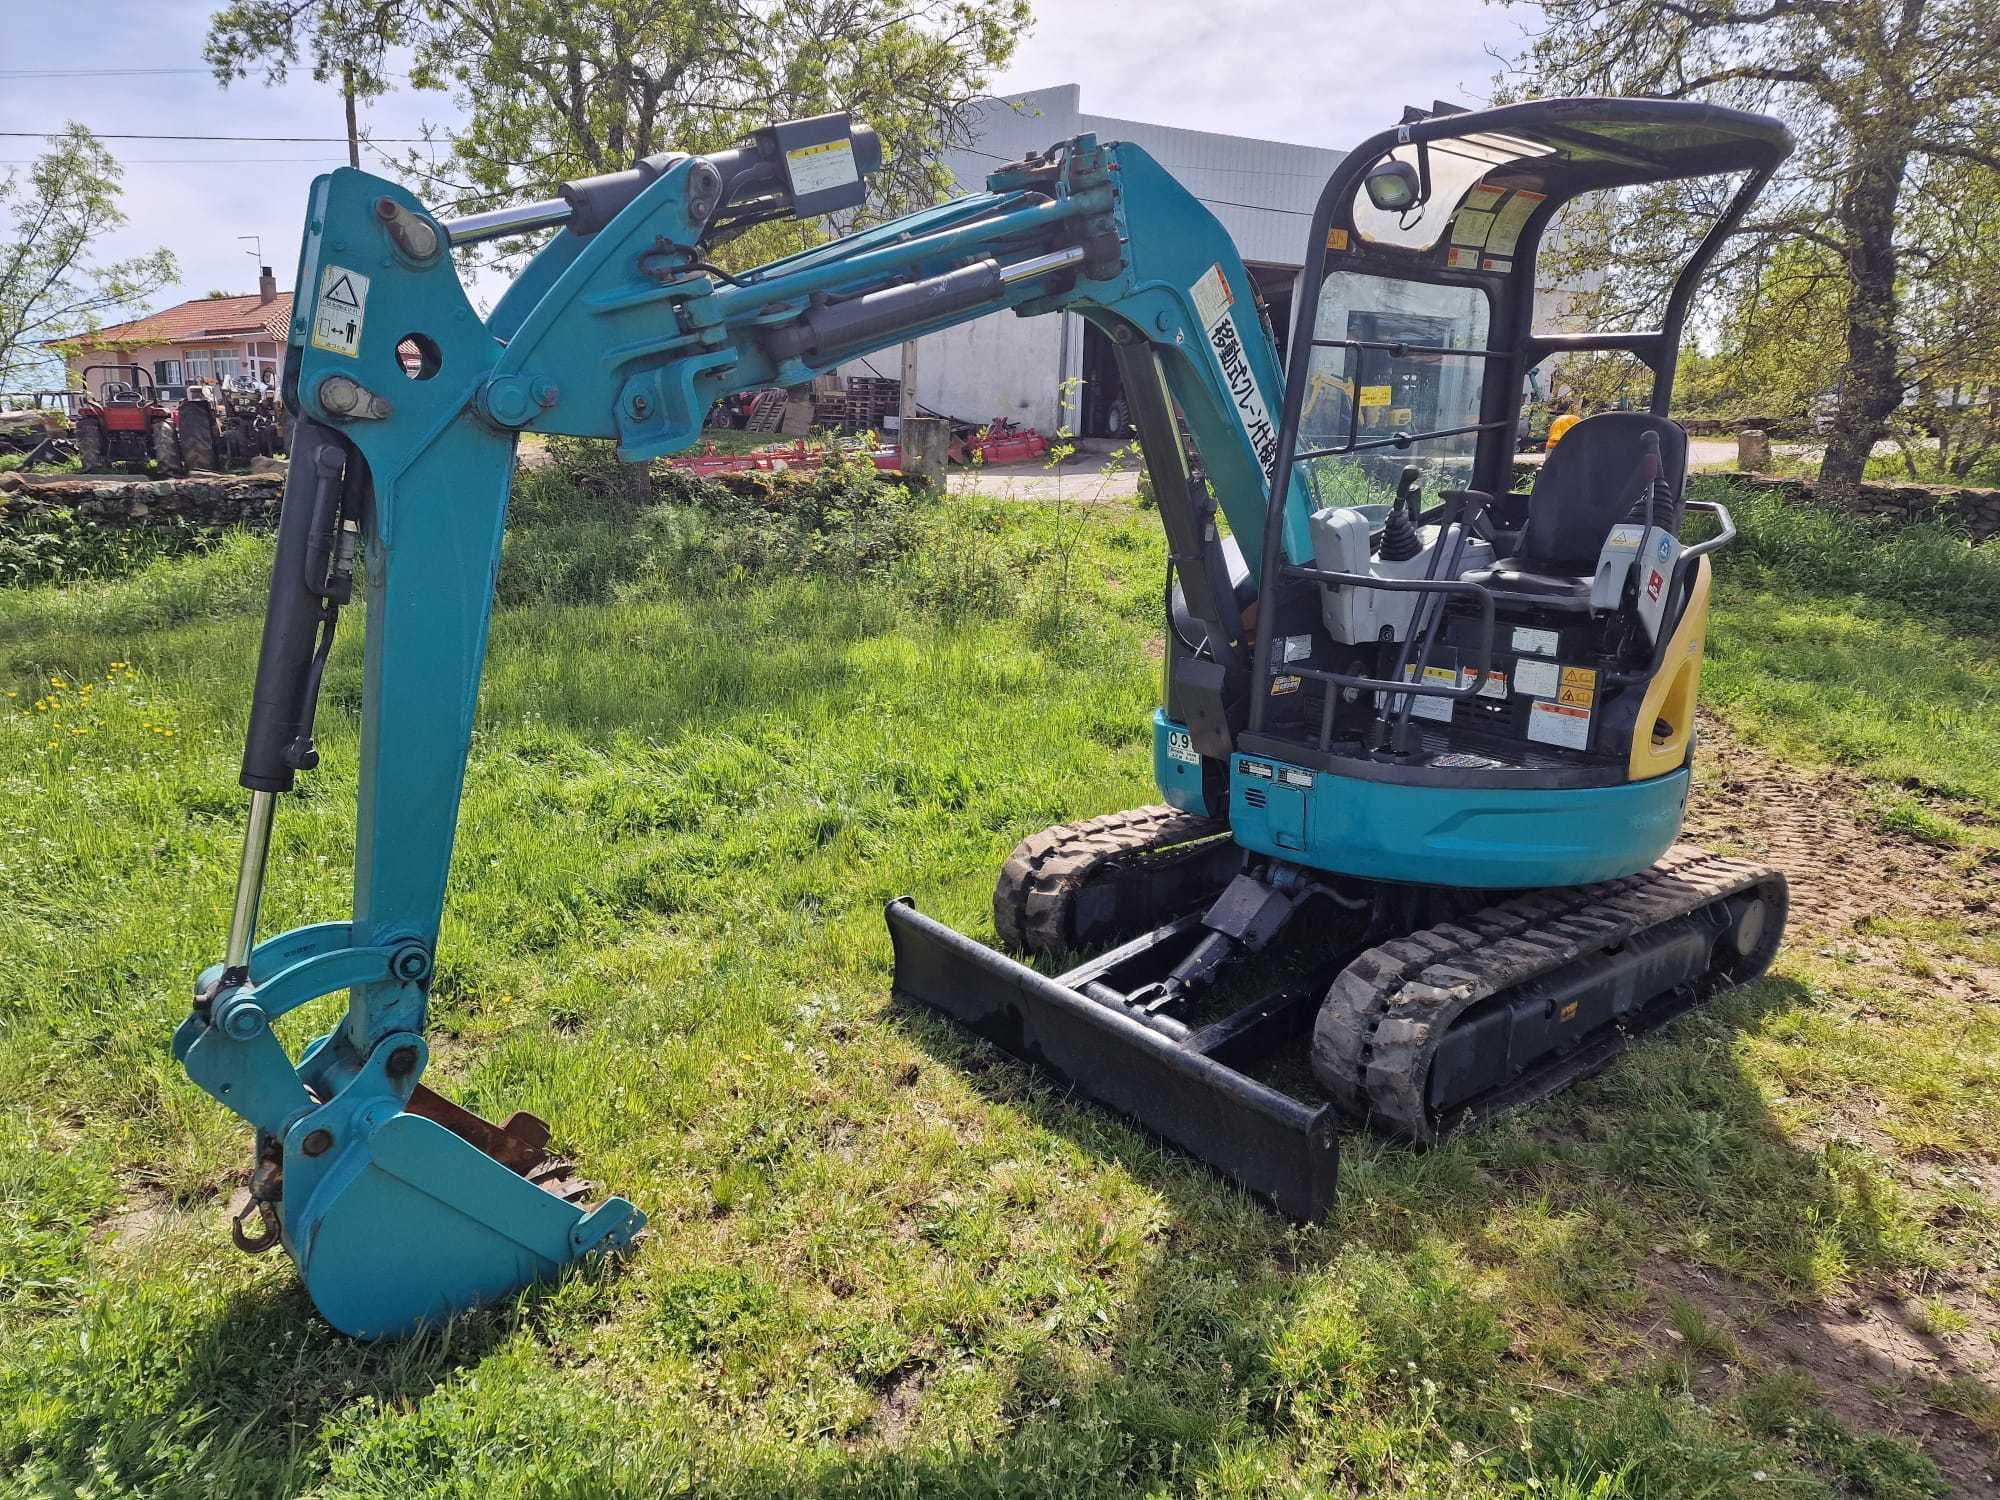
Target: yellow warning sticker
1579 687
1375 395
1285 684
1336 239
1402 416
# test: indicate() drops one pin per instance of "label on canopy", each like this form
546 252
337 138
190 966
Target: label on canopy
1509 221
1471 228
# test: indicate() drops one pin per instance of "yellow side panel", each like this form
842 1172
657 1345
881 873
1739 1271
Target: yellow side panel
1670 696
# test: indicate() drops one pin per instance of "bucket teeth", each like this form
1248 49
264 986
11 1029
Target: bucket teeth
521 1145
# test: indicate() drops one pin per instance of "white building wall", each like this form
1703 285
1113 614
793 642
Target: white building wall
1017 367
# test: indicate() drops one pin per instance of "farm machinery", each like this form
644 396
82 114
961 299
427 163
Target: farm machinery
37 426
229 424
1424 743
122 418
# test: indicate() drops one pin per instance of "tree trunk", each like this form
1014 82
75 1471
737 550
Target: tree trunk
1871 388
353 128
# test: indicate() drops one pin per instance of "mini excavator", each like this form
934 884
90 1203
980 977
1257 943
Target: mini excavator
1424 743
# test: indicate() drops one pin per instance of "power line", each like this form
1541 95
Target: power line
199 161
92 72
241 140
18 73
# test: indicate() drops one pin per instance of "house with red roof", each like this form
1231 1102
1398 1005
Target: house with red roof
210 338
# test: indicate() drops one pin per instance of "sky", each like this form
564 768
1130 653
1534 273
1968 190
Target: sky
1323 75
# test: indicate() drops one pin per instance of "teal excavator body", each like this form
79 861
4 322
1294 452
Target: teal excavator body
1285 752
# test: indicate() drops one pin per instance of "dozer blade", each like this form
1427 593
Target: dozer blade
432 1211
1266 1142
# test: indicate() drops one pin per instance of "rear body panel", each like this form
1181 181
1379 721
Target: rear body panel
1477 836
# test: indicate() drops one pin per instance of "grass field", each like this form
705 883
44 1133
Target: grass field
1761 1257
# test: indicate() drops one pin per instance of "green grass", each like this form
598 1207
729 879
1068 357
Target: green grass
882 1262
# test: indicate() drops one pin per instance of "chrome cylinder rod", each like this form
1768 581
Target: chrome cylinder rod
524 218
1055 260
250 881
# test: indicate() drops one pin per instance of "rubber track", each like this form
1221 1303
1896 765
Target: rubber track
1035 896
1390 1009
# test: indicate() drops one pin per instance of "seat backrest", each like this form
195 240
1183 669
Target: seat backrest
1589 481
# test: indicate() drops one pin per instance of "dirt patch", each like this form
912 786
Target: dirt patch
898 1412
137 1222
1872 1368
1843 866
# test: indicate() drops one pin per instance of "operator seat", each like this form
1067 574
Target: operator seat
1588 484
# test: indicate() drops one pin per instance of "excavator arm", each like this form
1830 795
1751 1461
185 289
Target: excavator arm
398 1206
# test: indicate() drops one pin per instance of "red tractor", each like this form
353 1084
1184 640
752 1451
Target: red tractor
122 420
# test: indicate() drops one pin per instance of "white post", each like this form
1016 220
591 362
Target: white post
906 404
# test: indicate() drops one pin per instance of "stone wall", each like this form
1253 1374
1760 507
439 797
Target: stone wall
203 500
1976 512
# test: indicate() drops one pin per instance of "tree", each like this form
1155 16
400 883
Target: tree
50 288
555 90
349 41
1878 92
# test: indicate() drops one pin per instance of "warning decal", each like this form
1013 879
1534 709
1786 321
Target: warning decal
339 310
1510 220
1579 687
1437 710
1211 297
1538 679
815 169
1559 724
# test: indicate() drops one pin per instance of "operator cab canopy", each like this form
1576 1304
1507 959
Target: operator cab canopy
1417 304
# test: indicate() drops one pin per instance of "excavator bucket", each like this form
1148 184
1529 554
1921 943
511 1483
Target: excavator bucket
399 1207
436 1210
1183 1086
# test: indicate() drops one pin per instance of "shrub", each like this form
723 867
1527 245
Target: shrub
56 545
579 534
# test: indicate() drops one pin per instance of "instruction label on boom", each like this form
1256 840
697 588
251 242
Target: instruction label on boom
1212 301
815 169
339 310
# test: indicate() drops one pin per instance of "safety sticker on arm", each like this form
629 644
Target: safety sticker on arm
338 311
